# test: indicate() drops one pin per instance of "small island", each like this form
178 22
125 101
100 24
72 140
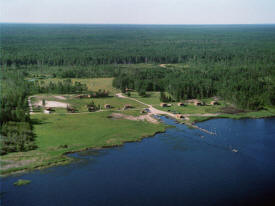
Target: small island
21 182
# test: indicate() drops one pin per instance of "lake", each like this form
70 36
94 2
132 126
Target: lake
182 166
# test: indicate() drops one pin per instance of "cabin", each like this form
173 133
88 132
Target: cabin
81 96
71 109
180 104
179 116
145 111
214 103
48 110
198 103
163 105
91 109
194 102
127 106
107 106
128 90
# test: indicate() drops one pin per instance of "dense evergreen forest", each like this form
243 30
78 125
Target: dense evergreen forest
16 126
250 87
234 62
34 44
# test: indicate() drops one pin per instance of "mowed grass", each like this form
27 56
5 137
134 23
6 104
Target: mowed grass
59 134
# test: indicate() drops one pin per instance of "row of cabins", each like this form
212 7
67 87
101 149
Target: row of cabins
83 96
195 102
49 110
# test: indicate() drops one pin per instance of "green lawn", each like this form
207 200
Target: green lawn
61 133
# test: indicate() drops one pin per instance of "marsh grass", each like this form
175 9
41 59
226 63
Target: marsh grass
21 182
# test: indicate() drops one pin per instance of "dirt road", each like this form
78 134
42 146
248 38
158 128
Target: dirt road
154 111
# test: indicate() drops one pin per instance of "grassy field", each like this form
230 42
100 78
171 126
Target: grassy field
93 84
59 134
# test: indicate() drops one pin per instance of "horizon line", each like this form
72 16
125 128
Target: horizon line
56 23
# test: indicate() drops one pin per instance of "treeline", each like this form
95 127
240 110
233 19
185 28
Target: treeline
84 45
142 79
60 87
248 87
16 127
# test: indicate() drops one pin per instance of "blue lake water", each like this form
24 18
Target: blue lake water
179 167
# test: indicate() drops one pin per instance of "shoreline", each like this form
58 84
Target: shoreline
65 160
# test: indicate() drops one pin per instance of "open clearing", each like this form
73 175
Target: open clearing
93 84
52 104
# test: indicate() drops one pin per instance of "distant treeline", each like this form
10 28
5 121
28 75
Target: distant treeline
60 87
83 45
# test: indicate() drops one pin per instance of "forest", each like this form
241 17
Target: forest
16 125
84 45
247 88
234 62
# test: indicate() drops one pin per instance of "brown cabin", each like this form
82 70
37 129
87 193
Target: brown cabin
163 105
179 116
197 103
81 96
91 109
50 109
107 106
180 104
128 90
127 106
214 103
71 109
